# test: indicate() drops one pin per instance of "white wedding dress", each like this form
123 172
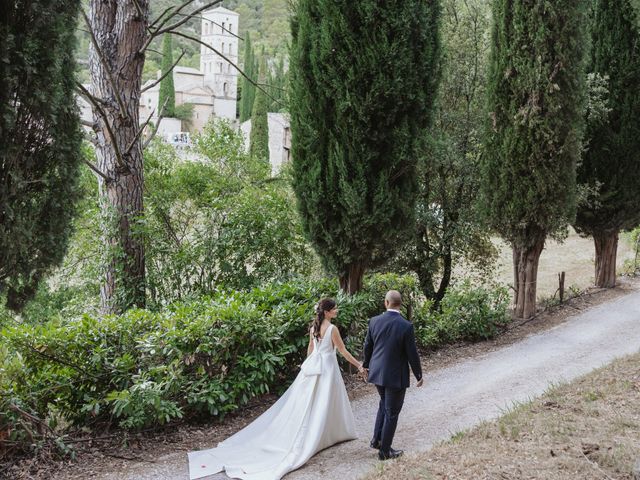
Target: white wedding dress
313 414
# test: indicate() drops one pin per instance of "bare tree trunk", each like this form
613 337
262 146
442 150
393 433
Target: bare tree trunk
445 281
116 62
606 251
525 272
351 281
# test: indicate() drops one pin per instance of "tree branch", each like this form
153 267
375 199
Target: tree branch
103 114
123 111
153 24
87 123
173 14
141 129
187 17
228 31
139 9
157 125
251 81
165 74
97 171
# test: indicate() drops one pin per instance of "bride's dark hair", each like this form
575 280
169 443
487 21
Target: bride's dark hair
324 305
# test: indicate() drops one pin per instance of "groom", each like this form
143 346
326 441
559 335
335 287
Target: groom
389 349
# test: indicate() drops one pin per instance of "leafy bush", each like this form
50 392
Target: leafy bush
204 357
194 358
467 313
219 220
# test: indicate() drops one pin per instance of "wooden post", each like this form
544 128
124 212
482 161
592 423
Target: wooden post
561 286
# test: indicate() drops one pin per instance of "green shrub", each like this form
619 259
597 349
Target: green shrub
204 357
193 358
467 313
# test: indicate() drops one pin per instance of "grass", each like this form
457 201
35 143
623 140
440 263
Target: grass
575 256
584 430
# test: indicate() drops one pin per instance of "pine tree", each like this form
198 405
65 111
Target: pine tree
39 142
259 141
247 88
363 77
533 137
611 162
167 96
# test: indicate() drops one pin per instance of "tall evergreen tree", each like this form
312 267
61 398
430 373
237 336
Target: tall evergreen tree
39 141
277 81
611 162
167 95
259 141
247 88
363 79
533 140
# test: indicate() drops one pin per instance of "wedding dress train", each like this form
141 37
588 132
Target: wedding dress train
313 414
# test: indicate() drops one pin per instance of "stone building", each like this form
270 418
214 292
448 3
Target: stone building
279 139
213 88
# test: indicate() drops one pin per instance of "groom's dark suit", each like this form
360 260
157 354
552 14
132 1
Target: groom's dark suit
389 349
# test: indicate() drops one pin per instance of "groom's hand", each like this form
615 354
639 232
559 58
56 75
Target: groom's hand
420 382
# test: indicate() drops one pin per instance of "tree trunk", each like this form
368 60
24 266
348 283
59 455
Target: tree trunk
116 74
525 272
351 281
445 281
606 251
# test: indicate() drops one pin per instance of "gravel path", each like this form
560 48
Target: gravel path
461 396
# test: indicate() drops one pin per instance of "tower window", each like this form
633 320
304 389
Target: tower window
230 28
225 88
223 28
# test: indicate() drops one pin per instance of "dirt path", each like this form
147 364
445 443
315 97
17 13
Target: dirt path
460 395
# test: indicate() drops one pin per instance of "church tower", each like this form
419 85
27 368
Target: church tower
220 30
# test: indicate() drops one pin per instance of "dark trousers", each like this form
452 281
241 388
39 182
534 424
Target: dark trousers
391 401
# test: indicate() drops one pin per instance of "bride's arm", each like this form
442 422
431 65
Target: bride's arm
310 346
337 341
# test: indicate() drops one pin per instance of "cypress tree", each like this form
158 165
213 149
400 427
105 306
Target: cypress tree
611 162
40 142
363 77
259 141
533 137
248 89
167 88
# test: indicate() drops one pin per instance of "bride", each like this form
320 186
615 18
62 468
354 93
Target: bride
313 414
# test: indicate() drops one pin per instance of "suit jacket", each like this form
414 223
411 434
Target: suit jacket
389 349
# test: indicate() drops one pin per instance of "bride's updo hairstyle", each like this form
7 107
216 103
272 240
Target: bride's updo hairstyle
324 305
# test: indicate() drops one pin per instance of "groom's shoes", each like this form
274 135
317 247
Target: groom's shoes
390 454
375 444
